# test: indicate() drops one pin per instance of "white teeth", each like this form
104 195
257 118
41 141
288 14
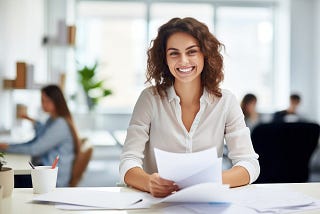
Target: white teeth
185 70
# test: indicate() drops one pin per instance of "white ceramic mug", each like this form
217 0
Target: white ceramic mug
44 179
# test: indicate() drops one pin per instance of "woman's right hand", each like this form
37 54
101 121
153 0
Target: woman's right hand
159 187
25 116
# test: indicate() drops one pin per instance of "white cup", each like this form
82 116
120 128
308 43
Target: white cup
44 179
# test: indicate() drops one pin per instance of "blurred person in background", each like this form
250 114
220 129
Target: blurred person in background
57 136
291 113
248 106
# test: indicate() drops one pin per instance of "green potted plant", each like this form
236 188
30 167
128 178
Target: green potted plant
6 177
94 89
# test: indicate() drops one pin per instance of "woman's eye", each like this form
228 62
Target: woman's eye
173 54
192 52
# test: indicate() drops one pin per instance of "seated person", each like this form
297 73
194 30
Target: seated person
185 110
57 136
290 114
248 106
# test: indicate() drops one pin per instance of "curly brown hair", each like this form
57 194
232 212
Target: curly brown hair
157 69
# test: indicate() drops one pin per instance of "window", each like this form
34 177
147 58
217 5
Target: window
247 33
114 34
118 37
163 12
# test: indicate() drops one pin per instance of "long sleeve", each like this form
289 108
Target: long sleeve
38 127
239 143
53 135
137 135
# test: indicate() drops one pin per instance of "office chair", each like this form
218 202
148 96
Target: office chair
81 162
284 151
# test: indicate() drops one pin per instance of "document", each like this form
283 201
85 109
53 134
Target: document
92 198
264 199
101 199
188 169
204 196
198 193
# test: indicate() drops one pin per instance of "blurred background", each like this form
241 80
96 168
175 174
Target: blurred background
272 49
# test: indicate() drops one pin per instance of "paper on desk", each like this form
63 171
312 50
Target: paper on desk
264 199
259 199
200 208
187 169
200 193
92 198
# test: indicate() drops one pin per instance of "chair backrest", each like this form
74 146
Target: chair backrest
284 151
81 162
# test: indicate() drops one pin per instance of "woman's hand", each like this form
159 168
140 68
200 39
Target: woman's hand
159 187
3 146
25 116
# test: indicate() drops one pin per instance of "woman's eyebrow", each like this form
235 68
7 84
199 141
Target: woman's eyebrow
172 49
192 46
175 49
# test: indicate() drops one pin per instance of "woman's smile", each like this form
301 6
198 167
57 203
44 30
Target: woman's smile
186 70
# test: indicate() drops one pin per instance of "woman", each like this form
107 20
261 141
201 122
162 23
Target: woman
57 136
248 106
185 110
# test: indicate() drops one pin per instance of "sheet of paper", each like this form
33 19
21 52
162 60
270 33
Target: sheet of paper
92 198
187 169
200 208
273 200
268 199
201 193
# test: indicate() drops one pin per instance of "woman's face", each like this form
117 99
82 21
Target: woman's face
184 57
251 107
47 104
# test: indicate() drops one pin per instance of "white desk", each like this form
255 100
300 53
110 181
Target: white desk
98 137
19 202
19 163
19 136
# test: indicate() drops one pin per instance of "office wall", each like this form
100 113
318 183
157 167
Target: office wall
21 31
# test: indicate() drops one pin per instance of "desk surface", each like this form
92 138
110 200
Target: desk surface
18 162
19 201
99 137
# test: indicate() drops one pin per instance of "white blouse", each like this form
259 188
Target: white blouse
157 123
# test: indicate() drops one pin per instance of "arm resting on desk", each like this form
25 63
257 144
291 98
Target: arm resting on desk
157 186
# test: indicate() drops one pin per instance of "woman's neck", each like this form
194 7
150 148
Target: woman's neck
189 93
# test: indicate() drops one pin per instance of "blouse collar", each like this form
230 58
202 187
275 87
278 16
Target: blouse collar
205 97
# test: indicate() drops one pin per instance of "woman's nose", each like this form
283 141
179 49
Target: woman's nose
184 59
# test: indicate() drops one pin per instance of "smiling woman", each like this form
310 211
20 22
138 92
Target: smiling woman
185 66
184 57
